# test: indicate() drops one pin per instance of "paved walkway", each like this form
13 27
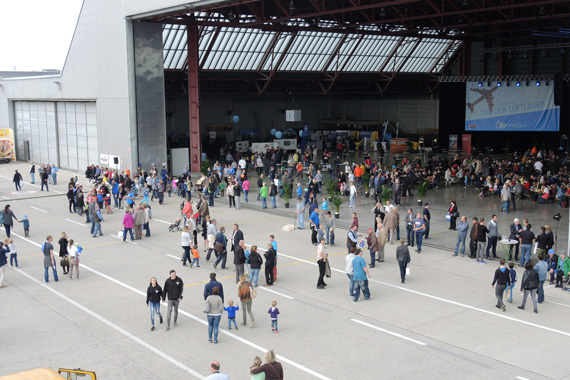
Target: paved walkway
441 323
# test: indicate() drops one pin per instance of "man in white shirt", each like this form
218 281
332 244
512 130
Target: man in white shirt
215 370
350 270
242 163
538 166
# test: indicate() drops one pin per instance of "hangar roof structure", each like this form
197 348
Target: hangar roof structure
319 46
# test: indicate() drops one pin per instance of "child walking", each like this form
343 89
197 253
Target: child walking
26 225
513 274
13 253
273 312
231 309
195 257
331 237
153 294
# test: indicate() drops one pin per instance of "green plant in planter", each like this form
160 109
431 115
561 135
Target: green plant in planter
385 194
422 190
366 182
287 192
205 166
337 201
330 186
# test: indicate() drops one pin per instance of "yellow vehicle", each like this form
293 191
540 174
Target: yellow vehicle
50 374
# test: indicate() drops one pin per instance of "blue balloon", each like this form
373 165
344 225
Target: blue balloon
278 134
301 133
235 118
273 131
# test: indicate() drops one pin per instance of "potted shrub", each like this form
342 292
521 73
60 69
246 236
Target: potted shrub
385 194
422 190
366 183
330 186
287 194
337 201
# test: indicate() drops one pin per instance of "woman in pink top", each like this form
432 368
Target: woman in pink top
128 223
245 185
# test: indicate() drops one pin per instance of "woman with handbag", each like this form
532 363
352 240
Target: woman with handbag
214 307
454 213
64 260
272 368
73 253
246 294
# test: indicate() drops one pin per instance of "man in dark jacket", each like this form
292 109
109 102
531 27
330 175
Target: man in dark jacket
239 260
174 290
44 177
552 263
211 285
222 255
474 234
516 229
269 264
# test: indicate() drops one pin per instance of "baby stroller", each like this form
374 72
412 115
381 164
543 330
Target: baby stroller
175 225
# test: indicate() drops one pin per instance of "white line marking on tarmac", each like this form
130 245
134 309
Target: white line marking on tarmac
39 209
115 327
561 304
281 294
31 184
73 221
191 316
161 221
5 197
132 242
174 257
439 298
521 378
388 332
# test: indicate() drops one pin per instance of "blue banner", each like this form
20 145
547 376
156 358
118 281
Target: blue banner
511 108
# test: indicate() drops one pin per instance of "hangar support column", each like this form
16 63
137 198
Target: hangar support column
194 98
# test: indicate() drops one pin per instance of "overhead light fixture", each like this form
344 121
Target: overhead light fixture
465 3
563 51
382 12
498 84
291 6
482 57
542 12
543 53
518 84
525 54
480 84
510 55
537 83
58 84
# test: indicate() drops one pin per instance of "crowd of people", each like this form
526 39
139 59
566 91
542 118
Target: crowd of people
276 174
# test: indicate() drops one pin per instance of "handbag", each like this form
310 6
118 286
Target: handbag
407 271
219 247
448 217
252 292
207 306
64 262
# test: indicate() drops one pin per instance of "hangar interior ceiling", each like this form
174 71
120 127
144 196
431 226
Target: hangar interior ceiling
347 46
